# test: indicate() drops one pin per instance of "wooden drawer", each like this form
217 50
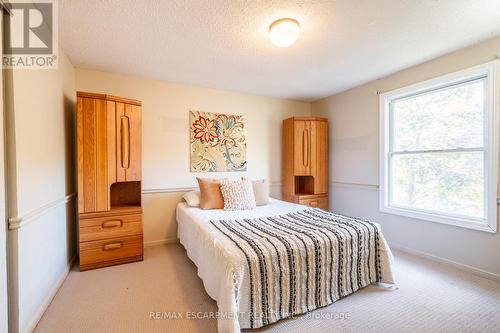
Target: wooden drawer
110 252
106 227
115 210
315 202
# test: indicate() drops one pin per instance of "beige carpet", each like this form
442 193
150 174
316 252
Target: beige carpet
431 298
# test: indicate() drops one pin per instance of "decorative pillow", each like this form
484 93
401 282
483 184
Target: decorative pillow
261 192
210 194
192 198
237 194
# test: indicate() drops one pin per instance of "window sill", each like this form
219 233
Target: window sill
449 220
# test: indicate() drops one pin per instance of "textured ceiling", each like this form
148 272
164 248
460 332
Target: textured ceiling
224 43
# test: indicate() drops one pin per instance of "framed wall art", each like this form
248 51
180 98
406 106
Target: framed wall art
217 142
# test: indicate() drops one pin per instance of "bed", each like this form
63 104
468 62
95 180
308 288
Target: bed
280 260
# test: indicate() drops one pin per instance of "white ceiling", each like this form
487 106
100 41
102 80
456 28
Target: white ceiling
224 43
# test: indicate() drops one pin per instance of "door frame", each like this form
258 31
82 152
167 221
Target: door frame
4 294
3 201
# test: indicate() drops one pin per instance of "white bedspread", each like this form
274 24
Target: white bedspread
222 265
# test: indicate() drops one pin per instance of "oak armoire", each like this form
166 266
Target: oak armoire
109 180
305 161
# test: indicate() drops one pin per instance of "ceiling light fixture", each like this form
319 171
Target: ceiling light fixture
284 32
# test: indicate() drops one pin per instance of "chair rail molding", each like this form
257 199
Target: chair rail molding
186 189
354 185
366 186
168 190
23 219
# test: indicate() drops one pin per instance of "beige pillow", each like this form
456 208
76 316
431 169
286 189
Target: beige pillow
237 194
261 192
210 194
192 198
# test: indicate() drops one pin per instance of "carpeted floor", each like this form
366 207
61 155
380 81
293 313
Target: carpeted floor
432 298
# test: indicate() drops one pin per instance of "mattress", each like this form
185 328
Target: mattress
221 264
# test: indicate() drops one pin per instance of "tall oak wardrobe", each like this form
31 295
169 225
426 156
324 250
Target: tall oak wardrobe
305 161
109 180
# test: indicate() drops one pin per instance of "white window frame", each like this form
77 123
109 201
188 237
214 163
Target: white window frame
490 72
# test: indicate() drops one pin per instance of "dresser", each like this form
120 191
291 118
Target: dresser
109 180
305 161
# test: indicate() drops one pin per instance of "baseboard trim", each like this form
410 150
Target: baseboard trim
160 242
467 268
48 299
23 219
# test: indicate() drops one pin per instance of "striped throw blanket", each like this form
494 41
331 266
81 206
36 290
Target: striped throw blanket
304 260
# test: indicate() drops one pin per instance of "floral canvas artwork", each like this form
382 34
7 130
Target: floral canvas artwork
218 142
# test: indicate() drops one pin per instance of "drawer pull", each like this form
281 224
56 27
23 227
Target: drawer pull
112 246
314 203
112 224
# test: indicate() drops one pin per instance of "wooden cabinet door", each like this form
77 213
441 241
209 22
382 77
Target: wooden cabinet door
319 156
128 142
133 113
302 148
93 194
111 129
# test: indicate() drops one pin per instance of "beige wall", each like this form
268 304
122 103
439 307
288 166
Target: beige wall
354 151
41 173
165 134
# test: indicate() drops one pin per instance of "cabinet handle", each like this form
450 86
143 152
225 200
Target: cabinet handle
305 148
314 203
112 224
112 246
125 135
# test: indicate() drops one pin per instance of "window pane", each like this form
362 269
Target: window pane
442 182
443 119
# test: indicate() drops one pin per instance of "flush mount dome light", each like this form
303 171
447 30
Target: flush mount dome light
284 32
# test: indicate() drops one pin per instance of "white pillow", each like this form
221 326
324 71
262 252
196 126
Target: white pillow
192 198
261 192
237 194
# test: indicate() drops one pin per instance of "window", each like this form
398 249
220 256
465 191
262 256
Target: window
439 149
